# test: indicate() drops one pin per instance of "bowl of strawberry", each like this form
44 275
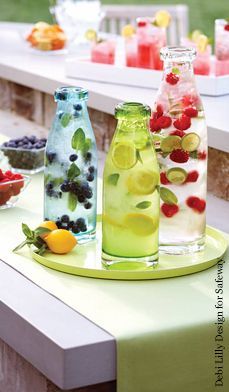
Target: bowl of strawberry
11 185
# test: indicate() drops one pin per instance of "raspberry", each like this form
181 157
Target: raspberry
182 123
9 174
164 179
202 155
169 209
164 122
196 204
179 156
177 132
154 127
226 27
191 112
192 176
189 100
172 79
159 110
141 23
1 175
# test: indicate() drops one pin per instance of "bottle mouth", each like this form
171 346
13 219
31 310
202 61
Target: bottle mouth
132 109
178 53
70 93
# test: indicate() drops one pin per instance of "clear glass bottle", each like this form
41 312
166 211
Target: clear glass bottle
71 166
131 191
180 137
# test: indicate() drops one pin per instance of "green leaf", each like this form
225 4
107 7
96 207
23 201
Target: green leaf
26 230
72 201
176 71
41 230
144 204
193 154
168 196
20 246
78 139
65 119
112 179
73 171
138 156
87 145
41 250
57 181
47 178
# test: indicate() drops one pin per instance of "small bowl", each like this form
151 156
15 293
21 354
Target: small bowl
23 160
10 191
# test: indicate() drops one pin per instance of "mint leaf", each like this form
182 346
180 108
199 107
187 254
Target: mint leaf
112 179
26 230
72 201
73 171
57 181
78 139
41 230
138 156
87 145
168 196
143 205
65 119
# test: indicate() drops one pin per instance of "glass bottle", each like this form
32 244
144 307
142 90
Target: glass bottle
131 191
71 166
180 138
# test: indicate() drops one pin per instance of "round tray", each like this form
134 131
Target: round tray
85 260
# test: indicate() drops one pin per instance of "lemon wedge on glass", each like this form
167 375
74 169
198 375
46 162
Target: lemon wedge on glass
128 31
91 35
162 18
202 43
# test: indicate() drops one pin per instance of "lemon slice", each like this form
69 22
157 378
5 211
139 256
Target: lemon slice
170 143
107 219
128 31
190 142
176 175
124 155
91 35
142 182
140 224
202 43
195 35
162 18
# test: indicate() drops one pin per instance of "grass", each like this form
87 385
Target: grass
202 13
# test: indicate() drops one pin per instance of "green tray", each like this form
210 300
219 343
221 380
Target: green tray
85 260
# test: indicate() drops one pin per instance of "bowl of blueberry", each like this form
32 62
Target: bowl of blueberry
25 154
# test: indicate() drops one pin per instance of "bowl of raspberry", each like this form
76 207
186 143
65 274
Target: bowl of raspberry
11 186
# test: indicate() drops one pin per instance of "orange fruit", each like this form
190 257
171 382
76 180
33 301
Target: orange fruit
48 225
60 241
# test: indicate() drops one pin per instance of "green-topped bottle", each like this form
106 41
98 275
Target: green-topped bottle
131 191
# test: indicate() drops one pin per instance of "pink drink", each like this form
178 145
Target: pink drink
103 52
221 47
150 40
180 138
202 62
131 51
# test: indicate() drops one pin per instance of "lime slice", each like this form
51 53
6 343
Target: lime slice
168 196
111 221
176 175
162 18
142 182
140 224
190 142
170 143
91 35
124 155
128 31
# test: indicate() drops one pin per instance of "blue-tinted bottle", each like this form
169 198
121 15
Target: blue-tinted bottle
71 166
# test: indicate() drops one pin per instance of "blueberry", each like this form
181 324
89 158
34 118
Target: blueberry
60 194
60 114
75 229
20 144
74 187
51 156
49 186
80 222
89 193
88 156
59 224
60 96
84 228
87 205
81 198
77 106
65 187
73 157
76 114
65 218
91 169
70 224
90 177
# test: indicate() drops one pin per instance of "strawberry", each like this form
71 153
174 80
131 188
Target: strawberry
172 79
177 132
182 123
179 156
226 27
164 122
202 155
169 209
192 176
190 100
196 204
191 112
164 179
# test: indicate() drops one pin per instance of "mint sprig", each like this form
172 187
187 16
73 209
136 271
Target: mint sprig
33 238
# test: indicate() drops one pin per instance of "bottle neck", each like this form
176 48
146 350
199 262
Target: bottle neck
72 105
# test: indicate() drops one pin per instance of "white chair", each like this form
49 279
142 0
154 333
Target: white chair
117 16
